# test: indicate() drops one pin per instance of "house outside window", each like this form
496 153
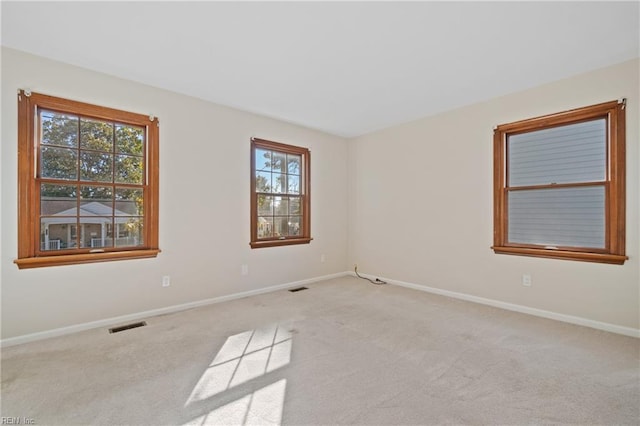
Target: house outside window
280 194
85 171
559 185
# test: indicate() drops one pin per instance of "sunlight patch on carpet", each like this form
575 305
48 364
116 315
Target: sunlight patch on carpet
264 406
244 357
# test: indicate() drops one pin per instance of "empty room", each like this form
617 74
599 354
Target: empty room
314 213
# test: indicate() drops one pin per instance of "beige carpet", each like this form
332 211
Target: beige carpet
342 352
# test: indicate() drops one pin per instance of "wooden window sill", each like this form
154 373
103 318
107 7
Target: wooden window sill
274 243
74 259
614 259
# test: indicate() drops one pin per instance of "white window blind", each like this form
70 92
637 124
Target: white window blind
567 154
565 216
571 217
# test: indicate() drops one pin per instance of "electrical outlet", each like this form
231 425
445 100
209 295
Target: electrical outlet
244 270
526 280
166 281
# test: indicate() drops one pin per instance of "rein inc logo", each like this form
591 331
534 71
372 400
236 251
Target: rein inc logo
17 421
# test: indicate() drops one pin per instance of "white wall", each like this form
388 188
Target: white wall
204 207
421 205
419 208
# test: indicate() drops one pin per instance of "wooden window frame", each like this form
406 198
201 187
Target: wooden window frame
614 184
305 195
29 255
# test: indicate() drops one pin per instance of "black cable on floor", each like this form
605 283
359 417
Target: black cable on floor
376 282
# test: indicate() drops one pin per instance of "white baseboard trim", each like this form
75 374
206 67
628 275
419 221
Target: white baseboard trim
32 337
618 329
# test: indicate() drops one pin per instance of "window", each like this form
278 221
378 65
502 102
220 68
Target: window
559 185
87 183
280 187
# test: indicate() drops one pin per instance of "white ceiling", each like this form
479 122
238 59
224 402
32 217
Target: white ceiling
344 68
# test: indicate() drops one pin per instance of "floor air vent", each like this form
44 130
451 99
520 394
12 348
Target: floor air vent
293 290
127 327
